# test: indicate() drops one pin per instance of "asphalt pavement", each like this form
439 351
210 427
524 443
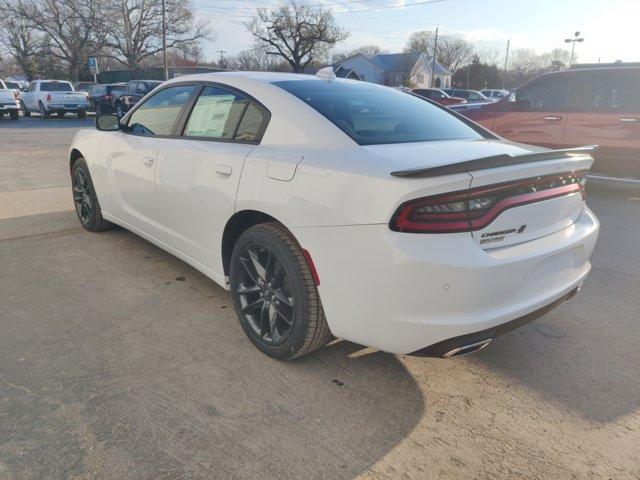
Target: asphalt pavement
119 361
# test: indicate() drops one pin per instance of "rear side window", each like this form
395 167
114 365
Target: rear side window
56 87
371 114
616 92
224 115
157 115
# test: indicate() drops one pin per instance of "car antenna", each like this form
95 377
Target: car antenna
327 73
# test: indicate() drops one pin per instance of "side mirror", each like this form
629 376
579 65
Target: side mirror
107 123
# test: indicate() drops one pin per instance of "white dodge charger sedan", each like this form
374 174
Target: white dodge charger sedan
336 207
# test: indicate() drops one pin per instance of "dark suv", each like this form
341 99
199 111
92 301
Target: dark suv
102 98
136 89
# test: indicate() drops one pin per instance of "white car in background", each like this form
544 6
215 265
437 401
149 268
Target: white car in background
331 206
494 94
53 96
9 101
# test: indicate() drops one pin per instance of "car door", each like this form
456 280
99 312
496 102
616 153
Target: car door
29 98
131 155
535 114
199 173
605 110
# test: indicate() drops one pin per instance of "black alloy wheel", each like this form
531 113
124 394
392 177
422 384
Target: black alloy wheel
274 293
266 294
82 196
85 198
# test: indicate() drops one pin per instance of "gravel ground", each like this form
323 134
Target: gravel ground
118 361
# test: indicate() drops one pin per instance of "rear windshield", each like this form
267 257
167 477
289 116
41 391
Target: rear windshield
12 85
56 87
371 114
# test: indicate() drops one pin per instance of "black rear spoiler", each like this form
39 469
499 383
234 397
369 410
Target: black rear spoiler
494 161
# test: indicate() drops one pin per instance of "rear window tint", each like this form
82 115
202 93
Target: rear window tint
371 114
56 87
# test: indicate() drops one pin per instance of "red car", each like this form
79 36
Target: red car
438 96
597 106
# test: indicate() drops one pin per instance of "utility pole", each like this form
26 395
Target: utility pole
221 52
576 38
504 73
164 42
433 60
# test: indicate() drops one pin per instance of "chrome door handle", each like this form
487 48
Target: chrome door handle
224 169
553 118
629 120
148 161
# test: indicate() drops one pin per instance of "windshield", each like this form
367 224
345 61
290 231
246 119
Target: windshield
372 115
56 87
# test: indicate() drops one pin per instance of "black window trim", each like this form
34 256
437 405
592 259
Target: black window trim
177 131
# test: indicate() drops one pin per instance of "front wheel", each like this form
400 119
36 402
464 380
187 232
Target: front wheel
119 110
43 111
274 293
25 110
85 199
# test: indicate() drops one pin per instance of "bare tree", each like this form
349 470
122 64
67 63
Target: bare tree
559 59
20 42
366 50
255 59
132 29
300 34
421 42
68 25
452 52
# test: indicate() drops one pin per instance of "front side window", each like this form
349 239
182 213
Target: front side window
157 115
547 94
371 114
222 114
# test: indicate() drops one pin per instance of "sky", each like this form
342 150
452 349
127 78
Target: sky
609 27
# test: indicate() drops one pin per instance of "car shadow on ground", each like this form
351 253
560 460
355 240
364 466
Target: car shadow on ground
134 364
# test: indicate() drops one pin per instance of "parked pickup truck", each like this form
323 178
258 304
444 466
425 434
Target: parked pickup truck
53 96
9 101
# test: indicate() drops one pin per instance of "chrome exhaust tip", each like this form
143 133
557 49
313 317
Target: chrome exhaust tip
467 349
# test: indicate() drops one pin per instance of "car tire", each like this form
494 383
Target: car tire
274 293
81 114
25 110
43 111
85 199
14 114
119 110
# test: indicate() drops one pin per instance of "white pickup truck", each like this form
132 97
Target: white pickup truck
9 101
53 96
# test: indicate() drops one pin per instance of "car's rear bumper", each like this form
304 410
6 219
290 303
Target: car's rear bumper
4 107
56 107
403 292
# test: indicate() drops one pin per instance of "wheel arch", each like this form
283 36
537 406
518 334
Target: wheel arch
236 225
74 155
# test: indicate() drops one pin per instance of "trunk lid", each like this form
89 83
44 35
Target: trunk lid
550 199
68 97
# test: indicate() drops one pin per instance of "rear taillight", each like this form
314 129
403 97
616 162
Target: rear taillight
16 95
474 209
48 97
107 98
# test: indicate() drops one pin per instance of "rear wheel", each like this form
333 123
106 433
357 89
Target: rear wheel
86 200
82 114
14 114
274 294
119 110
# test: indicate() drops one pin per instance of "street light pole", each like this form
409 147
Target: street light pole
576 38
164 42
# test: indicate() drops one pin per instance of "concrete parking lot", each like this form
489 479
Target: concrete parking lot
119 361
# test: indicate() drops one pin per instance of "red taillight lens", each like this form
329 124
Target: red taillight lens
107 98
48 97
16 94
476 208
